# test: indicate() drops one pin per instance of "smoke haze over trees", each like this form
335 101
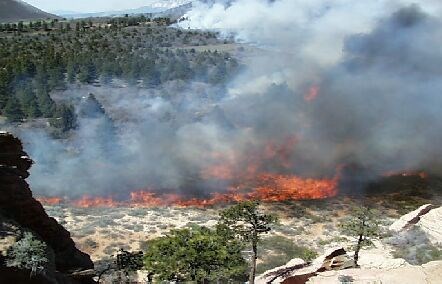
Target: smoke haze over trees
333 94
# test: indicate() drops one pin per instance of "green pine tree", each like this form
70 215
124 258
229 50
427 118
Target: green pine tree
13 110
64 118
45 103
246 221
364 225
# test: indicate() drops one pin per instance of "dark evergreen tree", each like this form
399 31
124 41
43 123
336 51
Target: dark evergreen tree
5 79
13 111
28 102
45 103
71 72
65 118
91 107
87 73
33 110
246 221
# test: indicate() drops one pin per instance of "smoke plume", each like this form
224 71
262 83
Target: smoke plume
329 84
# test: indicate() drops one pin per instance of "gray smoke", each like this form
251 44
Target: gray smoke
376 66
142 141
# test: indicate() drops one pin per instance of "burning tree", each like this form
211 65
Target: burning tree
363 224
245 221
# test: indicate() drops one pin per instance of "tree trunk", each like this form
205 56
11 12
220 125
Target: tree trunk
253 269
358 248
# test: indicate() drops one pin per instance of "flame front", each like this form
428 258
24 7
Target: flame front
266 187
269 188
283 187
312 93
247 175
49 200
87 201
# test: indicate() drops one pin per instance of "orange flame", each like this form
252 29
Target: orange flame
247 166
87 201
49 200
269 188
282 187
248 175
312 93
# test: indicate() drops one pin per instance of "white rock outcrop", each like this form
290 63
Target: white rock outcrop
431 224
430 273
412 218
297 271
379 257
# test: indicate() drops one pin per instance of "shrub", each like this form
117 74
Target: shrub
278 250
413 246
199 254
91 243
137 212
344 279
28 253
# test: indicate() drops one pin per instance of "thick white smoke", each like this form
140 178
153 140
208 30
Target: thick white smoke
375 63
311 30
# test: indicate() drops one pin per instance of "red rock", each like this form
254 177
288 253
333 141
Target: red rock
17 203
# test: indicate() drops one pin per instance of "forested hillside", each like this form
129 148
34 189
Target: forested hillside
39 57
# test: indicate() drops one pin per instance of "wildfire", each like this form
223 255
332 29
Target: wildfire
422 175
281 188
246 173
87 201
266 187
151 199
49 200
269 188
312 93
249 165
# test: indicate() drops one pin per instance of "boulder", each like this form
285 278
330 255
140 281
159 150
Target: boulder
271 275
412 218
379 258
431 224
427 273
298 271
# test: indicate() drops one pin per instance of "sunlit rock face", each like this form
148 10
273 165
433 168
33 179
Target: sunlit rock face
412 218
298 271
431 224
428 218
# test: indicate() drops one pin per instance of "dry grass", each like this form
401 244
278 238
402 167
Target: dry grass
100 232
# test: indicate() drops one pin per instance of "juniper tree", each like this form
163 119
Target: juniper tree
200 255
28 253
247 222
363 224
13 110
65 118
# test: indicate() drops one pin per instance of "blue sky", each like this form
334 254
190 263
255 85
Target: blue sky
87 5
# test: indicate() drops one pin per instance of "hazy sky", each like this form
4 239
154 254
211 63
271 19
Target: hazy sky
88 5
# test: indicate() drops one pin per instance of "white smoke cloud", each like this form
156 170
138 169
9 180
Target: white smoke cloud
310 29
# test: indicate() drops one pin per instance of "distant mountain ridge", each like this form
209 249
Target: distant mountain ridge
153 8
16 10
